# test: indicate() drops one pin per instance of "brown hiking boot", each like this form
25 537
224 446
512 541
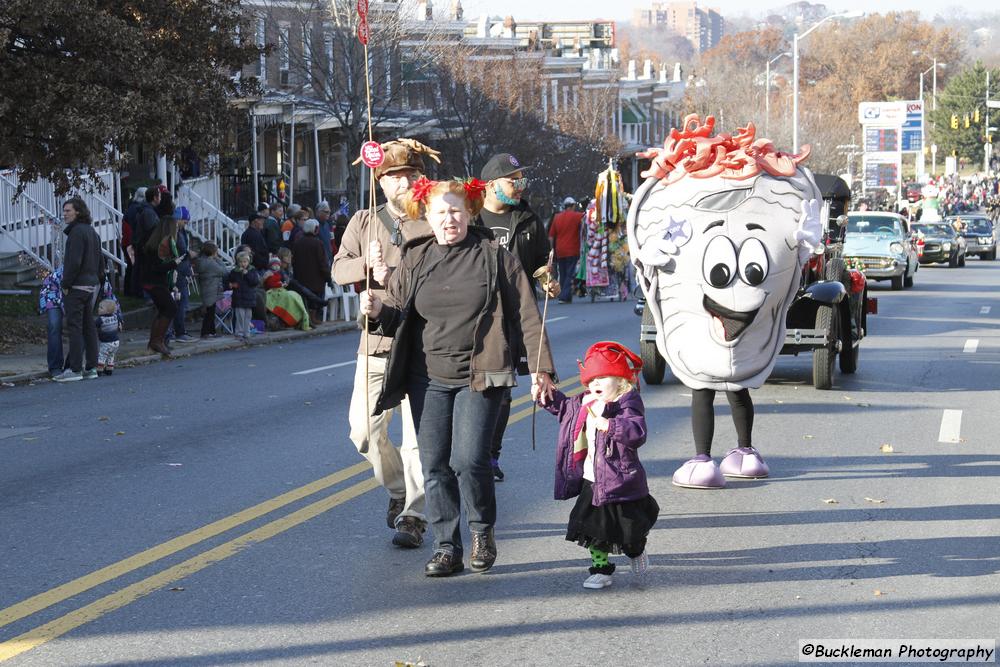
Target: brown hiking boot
409 532
396 506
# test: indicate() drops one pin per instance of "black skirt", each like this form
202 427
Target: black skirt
613 527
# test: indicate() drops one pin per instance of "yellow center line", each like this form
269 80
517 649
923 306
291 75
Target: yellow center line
65 591
60 626
125 596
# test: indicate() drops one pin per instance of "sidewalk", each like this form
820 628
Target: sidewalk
28 362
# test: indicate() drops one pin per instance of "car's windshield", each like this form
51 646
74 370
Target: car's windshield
933 230
862 224
976 225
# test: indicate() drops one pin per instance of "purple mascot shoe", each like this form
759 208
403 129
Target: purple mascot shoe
699 473
745 462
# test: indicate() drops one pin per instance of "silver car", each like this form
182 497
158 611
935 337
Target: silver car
880 242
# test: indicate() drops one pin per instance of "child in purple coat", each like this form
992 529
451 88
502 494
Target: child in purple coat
597 461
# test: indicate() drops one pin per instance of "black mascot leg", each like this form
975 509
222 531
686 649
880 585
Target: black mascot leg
701 471
743 462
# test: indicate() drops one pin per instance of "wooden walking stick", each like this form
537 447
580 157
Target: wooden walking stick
544 276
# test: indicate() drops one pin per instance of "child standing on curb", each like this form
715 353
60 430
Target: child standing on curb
109 323
243 280
600 432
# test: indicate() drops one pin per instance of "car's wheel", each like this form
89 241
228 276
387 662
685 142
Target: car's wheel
908 280
824 357
961 260
897 283
848 351
953 260
991 255
653 365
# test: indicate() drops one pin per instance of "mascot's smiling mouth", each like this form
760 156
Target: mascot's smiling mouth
728 324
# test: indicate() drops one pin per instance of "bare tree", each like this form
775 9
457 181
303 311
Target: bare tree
324 64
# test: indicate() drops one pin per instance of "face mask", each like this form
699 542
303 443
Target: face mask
504 199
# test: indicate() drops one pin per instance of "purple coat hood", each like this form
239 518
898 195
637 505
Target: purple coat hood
618 475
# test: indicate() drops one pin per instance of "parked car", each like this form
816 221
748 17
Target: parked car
938 242
881 244
913 193
979 234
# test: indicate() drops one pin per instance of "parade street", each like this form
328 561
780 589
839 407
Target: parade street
212 511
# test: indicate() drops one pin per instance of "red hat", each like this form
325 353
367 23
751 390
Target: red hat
273 281
610 359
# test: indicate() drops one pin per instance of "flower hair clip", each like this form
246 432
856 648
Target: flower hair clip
474 188
422 189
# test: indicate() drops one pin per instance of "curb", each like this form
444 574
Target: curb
180 352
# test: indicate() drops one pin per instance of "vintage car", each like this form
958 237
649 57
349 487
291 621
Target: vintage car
880 243
937 243
979 234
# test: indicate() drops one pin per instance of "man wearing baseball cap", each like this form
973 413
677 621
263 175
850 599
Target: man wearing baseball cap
517 228
398 470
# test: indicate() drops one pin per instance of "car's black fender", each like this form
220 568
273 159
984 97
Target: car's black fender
825 291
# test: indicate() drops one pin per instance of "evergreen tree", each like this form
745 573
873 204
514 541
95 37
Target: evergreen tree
962 99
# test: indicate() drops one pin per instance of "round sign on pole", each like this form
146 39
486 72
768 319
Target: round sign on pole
372 154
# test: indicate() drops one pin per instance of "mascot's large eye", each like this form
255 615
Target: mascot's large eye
753 262
720 262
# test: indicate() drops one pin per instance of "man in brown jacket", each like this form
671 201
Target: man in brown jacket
397 470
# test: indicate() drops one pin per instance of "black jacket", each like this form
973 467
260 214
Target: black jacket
244 294
145 222
255 239
509 325
528 240
83 263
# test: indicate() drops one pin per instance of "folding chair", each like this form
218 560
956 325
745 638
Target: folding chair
343 300
224 313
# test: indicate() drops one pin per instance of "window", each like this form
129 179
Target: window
261 43
284 37
307 54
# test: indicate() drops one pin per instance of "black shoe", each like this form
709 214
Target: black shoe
396 506
108 371
443 564
497 473
484 550
409 532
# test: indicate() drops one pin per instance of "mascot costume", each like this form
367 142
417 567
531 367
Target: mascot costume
719 232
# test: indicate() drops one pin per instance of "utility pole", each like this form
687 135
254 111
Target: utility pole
986 141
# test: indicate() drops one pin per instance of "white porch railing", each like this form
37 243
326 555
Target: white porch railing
32 221
202 196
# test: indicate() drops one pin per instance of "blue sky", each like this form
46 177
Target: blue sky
587 9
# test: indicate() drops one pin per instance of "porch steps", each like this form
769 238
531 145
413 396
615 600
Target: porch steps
14 274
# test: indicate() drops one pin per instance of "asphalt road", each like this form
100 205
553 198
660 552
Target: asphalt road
212 511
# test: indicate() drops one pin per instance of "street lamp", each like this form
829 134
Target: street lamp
853 14
767 91
923 140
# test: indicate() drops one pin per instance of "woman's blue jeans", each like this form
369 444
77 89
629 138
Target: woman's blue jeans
55 341
455 428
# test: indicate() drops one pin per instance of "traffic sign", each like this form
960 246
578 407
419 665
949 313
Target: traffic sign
993 104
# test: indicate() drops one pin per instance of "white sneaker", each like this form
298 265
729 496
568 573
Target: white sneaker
67 376
597 581
639 564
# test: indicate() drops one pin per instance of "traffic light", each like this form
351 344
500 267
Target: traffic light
954 121
976 116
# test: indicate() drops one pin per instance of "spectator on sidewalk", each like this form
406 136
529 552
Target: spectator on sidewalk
146 221
272 228
565 235
109 323
309 262
50 304
211 272
325 229
243 280
339 227
259 246
130 223
184 274
159 266
312 300
166 206
291 215
83 273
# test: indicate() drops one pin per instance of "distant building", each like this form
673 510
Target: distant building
703 28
